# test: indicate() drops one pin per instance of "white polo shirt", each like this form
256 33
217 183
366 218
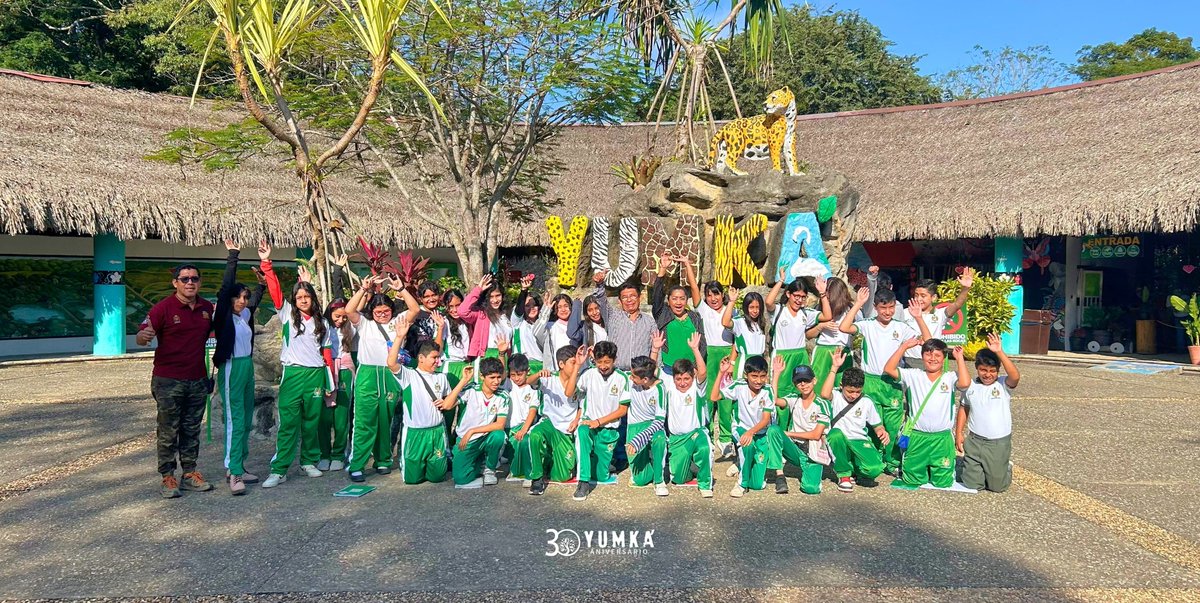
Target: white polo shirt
520 399
556 406
936 321
478 410
714 333
602 395
750 406
939 411
687 411
303 349
647 404
880 342
854 423
989 408
790 328
372 345
419 409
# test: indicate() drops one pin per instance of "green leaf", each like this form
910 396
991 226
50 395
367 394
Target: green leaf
825 208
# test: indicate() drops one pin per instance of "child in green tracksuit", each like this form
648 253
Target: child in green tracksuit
646 411
929 449
882 336
687 419
551 440
525 400
986 413
482 414
808 423
754 405
424 451
852 415
604 391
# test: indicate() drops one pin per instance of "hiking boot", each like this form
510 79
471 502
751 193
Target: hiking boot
336 465
274 480
781 486
845 485
737 491
661 490
323 465
489 477
357 477
237 487
170 487
582 491
194 482
538 487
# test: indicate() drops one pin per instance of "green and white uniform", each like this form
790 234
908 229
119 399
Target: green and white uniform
530 339
334 425
749 408
987 447
423 446
688 441
880 341
646 405
783 448
235 378
850 440
600 396
936 321
376 394
789 340
453 362
306 379
549 440
475 409
521 399
829 340
720 344
930 454
749 340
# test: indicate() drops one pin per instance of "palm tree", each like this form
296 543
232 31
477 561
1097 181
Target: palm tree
258 35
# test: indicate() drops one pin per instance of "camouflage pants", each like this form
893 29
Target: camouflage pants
180 413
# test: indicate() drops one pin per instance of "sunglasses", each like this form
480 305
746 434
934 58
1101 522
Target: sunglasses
188 279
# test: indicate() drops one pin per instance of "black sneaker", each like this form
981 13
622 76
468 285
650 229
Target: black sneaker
781 486
383 470
357 477
538 488
582 491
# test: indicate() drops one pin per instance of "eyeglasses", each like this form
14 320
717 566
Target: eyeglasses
188 279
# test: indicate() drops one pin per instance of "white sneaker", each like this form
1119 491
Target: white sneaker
311 471
274 480
706 493
489 477
472 485
661 490
737 491
526 483
732 471
323 465
336 466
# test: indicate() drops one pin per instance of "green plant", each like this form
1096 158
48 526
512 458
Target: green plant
988 309
447 283
972 348
638 172
1192 325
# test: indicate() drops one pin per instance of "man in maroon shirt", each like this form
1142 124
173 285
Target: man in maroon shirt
181 323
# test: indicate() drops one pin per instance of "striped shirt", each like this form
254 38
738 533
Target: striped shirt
631 336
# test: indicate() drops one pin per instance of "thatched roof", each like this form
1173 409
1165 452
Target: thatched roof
1114 155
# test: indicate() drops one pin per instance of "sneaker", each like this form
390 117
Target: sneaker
781 486
706 493
471 485
323 465
357 477
538 487
274 480
737 491
383 470
732 471
526 483
727 451
237 487
845 485
249 478
336 465
311 471
489 477
661 490
894 472
193 481
582 491
170 487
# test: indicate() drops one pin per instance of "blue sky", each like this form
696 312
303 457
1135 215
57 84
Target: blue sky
944 31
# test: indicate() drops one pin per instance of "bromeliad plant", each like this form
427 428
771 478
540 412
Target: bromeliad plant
258 37
1191 325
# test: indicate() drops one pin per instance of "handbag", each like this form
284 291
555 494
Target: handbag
902 441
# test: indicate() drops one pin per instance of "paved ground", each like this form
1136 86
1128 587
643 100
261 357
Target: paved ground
1103 509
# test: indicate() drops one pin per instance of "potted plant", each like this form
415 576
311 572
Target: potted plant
1146 337
1191 325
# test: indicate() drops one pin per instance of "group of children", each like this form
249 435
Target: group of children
538 397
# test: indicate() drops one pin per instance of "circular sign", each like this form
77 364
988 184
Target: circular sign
1107 251
1133 251
1119 251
